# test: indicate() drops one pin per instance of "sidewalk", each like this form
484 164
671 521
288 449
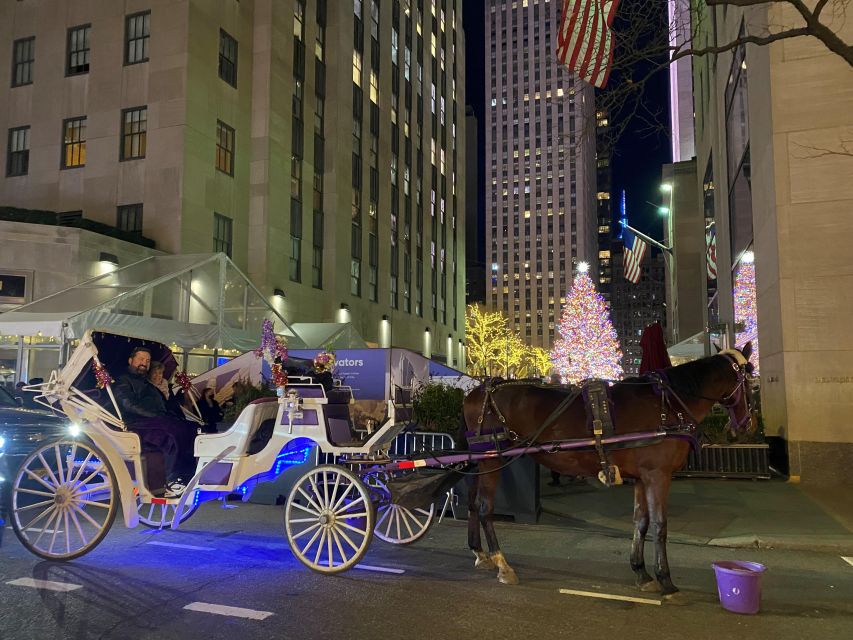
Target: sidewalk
725 513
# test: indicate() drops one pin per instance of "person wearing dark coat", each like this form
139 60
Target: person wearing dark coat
211 412
655 355
146 413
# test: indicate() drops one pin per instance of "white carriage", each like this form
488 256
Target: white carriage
66 494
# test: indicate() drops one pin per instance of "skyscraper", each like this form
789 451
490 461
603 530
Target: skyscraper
540 168
314 142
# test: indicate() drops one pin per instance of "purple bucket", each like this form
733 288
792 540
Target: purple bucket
739 585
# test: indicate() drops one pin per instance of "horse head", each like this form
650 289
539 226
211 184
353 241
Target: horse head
738 402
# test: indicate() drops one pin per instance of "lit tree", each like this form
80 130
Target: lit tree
511 359
746 313
538 361
484 335
588 346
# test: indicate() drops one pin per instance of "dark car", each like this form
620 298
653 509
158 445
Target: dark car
21 430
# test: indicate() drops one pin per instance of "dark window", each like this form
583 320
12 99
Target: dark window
224 148
18 153
295 240
222 234
317 262
137 30
134 126
228 58
74 143
129 218
78 50
23 56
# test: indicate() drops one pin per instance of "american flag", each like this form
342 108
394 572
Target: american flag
635 250
585 42
711 244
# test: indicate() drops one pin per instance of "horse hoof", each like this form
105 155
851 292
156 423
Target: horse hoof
483 561
677 598
507 577
652 586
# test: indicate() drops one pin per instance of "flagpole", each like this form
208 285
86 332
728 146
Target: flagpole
643 236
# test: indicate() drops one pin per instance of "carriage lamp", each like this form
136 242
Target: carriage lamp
74 429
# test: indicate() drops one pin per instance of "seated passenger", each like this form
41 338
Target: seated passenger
146 413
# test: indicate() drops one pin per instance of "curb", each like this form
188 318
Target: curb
825 544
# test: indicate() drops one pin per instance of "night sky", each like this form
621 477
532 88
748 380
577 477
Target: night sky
638 154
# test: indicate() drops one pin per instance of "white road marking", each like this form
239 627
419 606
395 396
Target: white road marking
368 567
223 610
175 545
609 596
49 585
848 560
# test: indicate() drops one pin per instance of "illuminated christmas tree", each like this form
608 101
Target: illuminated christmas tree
746 311
588 346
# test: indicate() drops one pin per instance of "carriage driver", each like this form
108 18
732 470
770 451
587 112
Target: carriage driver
145 412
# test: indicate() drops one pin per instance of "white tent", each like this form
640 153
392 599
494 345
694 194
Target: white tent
329 335
688 350
188 300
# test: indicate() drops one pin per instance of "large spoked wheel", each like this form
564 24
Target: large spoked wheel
329 519
64 500
399 525
160 516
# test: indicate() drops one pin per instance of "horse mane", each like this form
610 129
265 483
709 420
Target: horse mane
690 377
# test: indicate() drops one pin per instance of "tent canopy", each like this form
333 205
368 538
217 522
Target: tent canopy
329 335
190 300
692 348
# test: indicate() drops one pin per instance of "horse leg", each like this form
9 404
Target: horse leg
657 493
482 561
486 499
641 526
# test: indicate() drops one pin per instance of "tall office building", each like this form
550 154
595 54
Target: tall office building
314 142
603 176
540 168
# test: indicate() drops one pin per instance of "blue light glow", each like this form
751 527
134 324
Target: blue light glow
296 452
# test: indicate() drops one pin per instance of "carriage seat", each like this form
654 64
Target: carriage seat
338 426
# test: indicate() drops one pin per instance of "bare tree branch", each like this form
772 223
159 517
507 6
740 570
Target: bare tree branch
734 44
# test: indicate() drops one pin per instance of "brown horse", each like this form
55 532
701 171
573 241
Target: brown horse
682 394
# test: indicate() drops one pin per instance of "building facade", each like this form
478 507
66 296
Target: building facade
540 168
774 164
314 142
604 211
633 307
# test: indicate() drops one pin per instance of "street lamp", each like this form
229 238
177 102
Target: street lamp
666 187
664 211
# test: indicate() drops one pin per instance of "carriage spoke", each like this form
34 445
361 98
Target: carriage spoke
94 473
316 491
390 521
406 517
40 480
340 500
54 514
313 512
335 492
320 547
343 534
48 470
43 514
93 522
302 520
385 513
310 500
35 505
82 467
104 505
397 522
96 487
37 493
60 467
305 531
311 541
325 490
67 531
361 514
329 548
71 461
343 510
79 529
59 515
361 532
340 548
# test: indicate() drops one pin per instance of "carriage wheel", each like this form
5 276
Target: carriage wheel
160 516
64 500
329 519
396 524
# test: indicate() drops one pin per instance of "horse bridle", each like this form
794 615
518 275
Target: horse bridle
739 393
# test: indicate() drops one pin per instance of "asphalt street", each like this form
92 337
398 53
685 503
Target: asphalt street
230 574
